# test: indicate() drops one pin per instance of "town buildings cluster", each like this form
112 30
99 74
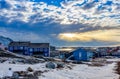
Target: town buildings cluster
66 53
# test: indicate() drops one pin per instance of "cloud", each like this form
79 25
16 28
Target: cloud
94 13
23 36
98 35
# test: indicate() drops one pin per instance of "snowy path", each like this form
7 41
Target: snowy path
83 72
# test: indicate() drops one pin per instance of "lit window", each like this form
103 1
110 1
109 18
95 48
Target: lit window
21 48
80 54
31 49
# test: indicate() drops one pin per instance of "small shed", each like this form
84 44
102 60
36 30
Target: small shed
81 54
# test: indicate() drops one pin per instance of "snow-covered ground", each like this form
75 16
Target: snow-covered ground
19 67
78 71
83 72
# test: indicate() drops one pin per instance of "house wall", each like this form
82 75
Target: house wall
29 51
46 52
19 49
117 53
82 55
89 55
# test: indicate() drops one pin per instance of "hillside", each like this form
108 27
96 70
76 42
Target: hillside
5 40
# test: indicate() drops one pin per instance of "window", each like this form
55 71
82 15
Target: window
25 48
45 49
35 49
31 49
80 54
11 48
21 48
41 49
38 49
15 47
46 54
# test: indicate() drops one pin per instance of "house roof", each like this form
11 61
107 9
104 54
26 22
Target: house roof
86 50
39 45
19 43
32 45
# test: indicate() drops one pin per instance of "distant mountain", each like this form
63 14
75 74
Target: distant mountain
5 40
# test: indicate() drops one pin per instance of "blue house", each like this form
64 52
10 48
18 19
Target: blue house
27 48
81 54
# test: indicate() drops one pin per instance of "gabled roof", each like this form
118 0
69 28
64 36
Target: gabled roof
86 50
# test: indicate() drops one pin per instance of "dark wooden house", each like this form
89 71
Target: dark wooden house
28 48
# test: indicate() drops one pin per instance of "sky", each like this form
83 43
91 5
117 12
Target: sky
62 22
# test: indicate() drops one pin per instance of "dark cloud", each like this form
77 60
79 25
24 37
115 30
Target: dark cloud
89 5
